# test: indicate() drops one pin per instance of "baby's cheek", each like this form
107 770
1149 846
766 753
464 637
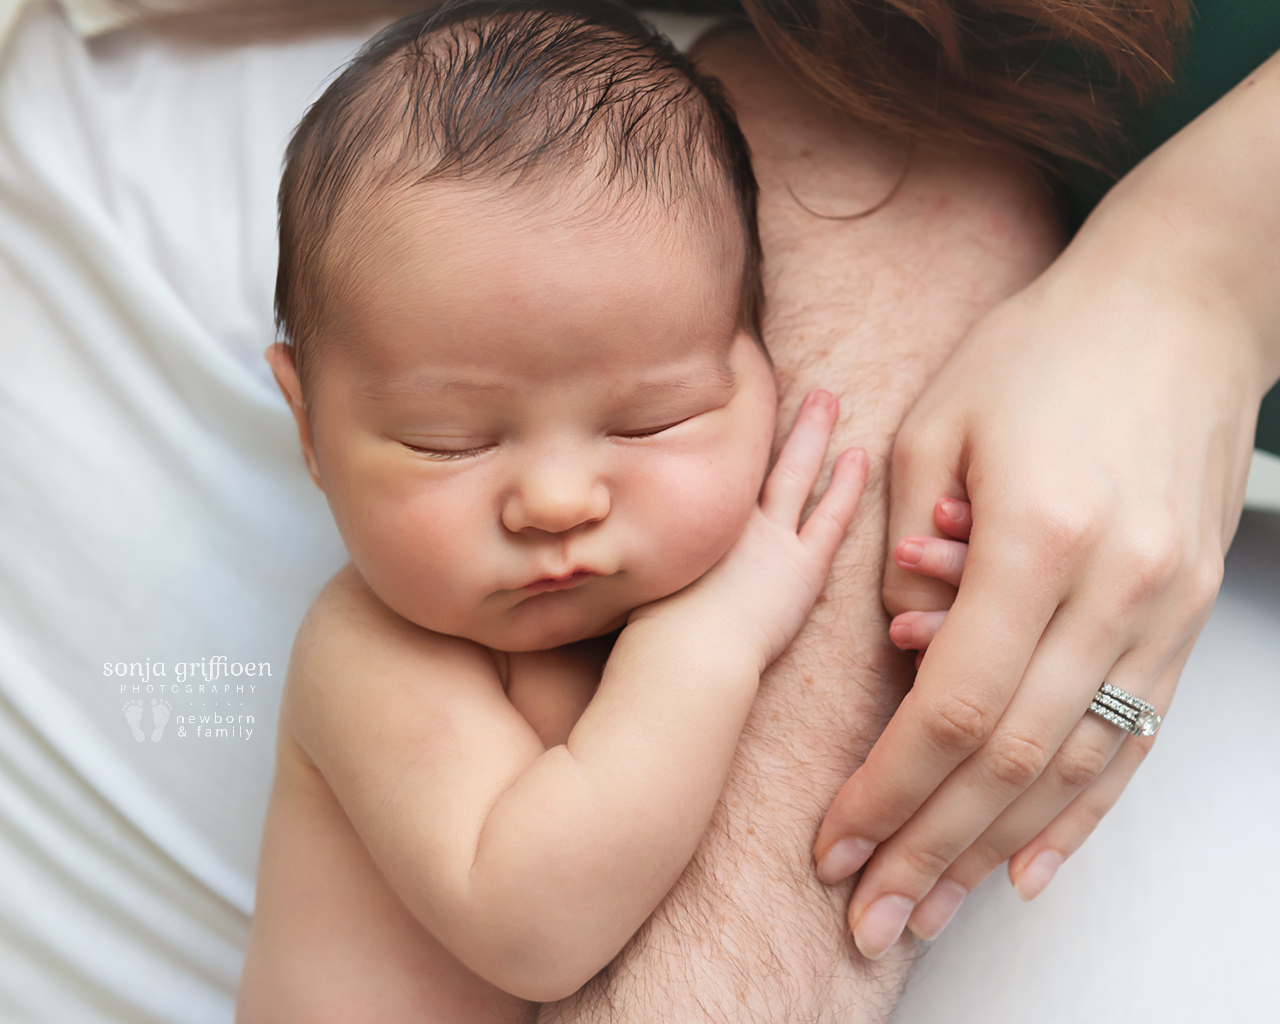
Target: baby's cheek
398 548
702 515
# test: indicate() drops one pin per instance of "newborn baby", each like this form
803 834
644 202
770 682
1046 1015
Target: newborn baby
520 286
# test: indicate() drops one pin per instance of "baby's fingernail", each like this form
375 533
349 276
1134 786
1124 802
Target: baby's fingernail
910 553
952 510
937 909
900 634
1037 875
881 925
843 859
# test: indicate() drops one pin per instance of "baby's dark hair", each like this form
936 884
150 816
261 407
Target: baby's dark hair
506 91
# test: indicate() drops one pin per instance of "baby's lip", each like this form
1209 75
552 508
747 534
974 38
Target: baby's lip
543 584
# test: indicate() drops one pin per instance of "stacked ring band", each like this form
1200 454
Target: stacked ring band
1119 707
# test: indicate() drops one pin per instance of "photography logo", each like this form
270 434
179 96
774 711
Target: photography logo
210 695
160 711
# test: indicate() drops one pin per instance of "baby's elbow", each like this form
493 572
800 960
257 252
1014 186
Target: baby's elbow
545 970
549 985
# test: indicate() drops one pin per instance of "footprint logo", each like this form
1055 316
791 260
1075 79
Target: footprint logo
159 718
133 715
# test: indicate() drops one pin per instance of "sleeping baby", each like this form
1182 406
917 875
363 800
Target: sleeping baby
520 290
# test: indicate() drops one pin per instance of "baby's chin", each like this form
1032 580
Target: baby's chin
545 636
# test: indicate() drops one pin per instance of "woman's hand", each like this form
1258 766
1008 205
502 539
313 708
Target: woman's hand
1102 435
1100 422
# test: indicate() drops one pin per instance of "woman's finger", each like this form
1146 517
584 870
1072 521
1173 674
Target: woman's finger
1033 865
1053 697
1082 760
968 677
790 483
1054 817
929 556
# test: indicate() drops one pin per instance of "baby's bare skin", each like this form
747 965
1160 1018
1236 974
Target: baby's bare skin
537 429
332 941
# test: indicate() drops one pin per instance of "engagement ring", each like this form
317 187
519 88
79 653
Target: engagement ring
1132 714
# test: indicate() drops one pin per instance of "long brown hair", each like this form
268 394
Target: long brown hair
1052 76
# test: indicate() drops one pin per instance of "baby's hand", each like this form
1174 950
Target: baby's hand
932 556
770 578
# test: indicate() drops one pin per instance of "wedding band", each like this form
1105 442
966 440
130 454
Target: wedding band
1119 707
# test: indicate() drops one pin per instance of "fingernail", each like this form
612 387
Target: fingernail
952 510
843 859
1037 875
910 553
881 925
936 910
900 634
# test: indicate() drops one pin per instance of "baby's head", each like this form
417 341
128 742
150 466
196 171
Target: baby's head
520 289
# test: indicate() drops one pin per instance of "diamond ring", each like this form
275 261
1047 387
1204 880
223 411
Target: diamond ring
1119 707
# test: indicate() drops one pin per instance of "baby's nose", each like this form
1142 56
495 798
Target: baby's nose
555 499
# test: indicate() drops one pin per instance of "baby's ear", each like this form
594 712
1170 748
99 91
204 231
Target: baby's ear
280 358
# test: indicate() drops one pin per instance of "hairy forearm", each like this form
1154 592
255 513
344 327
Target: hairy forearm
867 308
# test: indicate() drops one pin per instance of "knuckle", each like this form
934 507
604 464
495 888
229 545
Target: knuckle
1151 562
1087 816
1014 762
791 474
1078 764
957 726
1065 531
1206 581
987 855
925 862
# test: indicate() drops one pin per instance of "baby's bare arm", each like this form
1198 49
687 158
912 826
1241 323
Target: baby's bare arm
533 866
869 308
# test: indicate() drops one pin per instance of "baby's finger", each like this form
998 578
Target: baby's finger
827 524
930 556
954 518
913 631
789 485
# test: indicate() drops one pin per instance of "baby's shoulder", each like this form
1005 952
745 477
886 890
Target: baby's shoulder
348 617
351 646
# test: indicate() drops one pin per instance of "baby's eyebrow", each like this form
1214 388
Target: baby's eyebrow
718 377
417 385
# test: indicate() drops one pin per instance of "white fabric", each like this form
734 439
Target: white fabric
153 506
88 17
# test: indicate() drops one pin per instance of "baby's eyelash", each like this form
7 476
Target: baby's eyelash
447 455
654 430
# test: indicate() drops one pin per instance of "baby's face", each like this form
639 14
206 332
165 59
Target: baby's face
528 423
